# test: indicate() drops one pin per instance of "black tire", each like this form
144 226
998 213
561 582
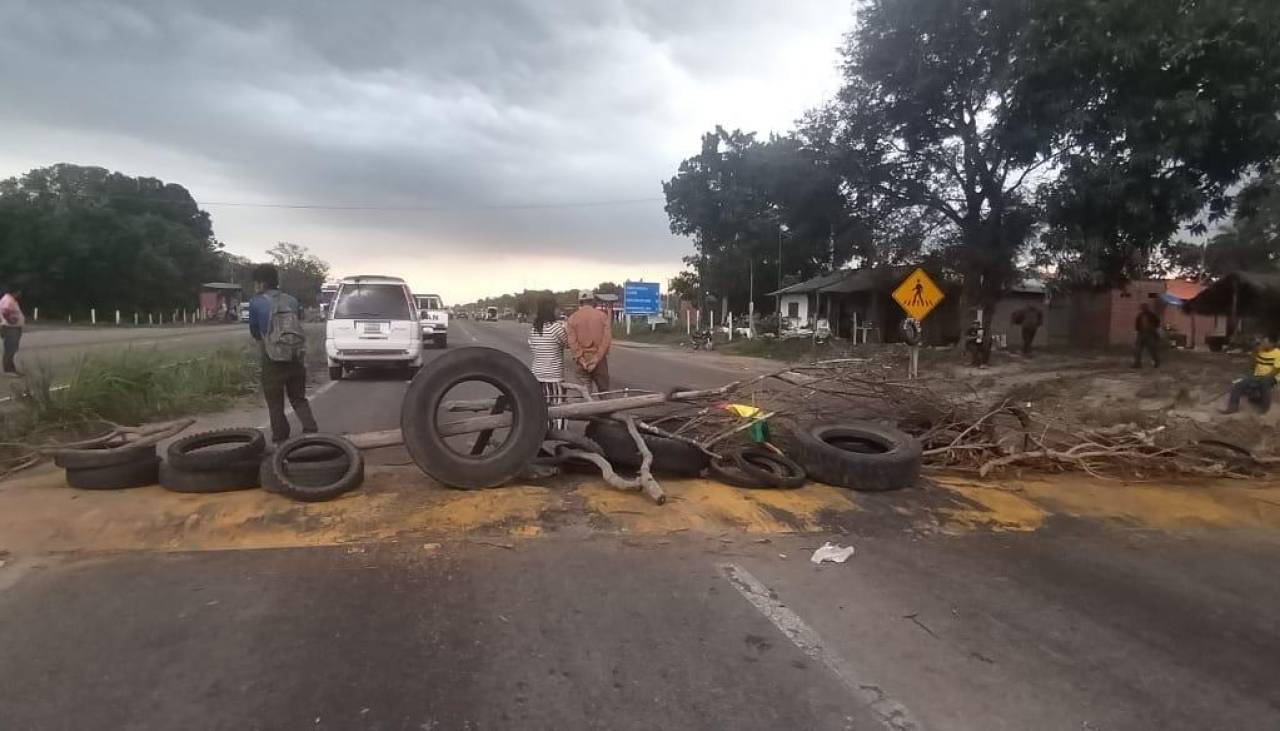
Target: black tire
442 341
859 455
670 456
335 373
527 406
138 473
96 458
190 453
774 470
241 475
726 470
308 486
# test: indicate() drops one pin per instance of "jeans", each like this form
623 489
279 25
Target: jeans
1255 388
281 379
1148 343
11 336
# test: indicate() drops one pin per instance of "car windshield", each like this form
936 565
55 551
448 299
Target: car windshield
383 301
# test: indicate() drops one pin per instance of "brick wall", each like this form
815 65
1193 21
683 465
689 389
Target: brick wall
1124 308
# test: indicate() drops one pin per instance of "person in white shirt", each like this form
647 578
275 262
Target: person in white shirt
547 341
11 323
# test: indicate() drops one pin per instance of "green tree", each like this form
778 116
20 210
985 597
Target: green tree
745 203
1159 109
608 288
78 237
917 133
301 272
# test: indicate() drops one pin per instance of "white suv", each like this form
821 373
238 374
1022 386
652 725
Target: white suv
373 322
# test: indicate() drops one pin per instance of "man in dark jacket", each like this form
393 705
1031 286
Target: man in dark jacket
1147 327
281 374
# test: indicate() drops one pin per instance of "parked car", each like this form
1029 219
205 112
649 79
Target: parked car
243 313
373 323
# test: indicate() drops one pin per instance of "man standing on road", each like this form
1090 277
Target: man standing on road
275 321
11 323
1147 326
590 335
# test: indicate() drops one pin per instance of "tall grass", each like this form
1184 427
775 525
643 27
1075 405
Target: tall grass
131 387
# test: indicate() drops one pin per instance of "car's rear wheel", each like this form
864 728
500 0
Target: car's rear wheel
335 373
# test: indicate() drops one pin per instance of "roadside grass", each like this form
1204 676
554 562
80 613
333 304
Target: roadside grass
791 350
127 387
642 334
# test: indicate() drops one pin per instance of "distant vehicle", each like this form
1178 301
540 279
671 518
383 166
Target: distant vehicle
434 318
491 314
461 314
327 292
373 322
243 313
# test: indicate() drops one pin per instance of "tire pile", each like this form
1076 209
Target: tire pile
864 456
309 468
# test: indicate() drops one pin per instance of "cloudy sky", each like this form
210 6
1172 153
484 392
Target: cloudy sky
508 143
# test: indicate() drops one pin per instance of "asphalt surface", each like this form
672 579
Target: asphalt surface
1079 626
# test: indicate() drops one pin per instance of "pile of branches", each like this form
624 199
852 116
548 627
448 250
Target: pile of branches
961 429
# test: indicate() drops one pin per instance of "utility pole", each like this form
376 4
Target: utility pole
778 305
751 301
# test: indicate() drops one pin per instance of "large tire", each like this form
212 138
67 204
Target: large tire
190 453
670 456
313 483
774 470
84 459
527 406
138 473
241 475
859 455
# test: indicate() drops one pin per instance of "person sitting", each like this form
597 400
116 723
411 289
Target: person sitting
1257 387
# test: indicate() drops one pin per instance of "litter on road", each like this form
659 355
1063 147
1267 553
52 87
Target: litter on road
832 553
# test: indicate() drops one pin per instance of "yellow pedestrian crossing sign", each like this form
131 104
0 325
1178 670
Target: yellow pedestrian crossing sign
917 295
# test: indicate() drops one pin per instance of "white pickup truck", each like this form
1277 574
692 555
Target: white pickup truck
434 318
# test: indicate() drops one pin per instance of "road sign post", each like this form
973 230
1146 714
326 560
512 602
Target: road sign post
917 295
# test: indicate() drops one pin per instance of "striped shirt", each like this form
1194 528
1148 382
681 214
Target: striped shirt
548 352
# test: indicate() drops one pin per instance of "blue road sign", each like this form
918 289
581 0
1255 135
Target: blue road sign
641 298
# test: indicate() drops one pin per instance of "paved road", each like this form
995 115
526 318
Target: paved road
1078 626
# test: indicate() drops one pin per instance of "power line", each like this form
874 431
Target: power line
437 208
433 208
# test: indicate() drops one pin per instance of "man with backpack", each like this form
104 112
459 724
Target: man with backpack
275 321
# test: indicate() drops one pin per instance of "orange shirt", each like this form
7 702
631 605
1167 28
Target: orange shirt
590 335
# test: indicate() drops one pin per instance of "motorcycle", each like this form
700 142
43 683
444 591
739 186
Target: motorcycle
702 340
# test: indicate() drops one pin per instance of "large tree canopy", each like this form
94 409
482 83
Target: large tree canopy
967 130
78 237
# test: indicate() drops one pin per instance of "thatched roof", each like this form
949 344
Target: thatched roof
1256 293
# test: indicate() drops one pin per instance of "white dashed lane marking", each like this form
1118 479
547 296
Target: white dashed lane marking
888 711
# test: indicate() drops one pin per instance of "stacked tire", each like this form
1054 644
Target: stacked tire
110 469
223 460
313 467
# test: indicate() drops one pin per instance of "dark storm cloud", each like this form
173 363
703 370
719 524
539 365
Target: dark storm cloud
463 104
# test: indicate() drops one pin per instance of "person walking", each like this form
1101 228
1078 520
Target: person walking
590 336
11 323
1147 327
976 343
275 321
1029 319
1257 387
547 341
